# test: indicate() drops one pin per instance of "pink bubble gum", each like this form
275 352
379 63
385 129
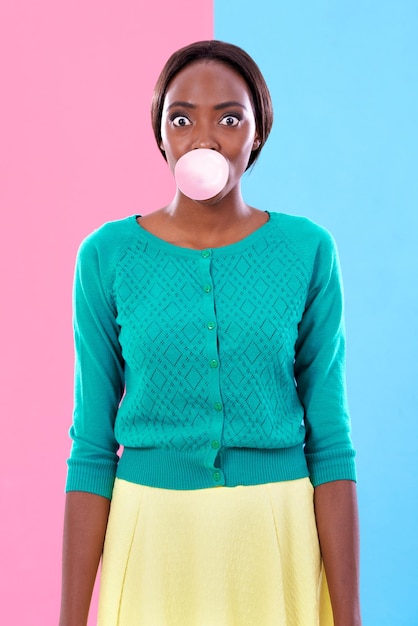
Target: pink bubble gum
201 174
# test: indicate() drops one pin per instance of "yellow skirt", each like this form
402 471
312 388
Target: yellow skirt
227 556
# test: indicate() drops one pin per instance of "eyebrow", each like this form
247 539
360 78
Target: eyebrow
230 103
181 103
217 107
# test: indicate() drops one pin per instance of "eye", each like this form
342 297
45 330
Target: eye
180 120
230 120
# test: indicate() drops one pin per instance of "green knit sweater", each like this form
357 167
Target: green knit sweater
223 366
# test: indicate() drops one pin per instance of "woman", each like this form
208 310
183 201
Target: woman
210 345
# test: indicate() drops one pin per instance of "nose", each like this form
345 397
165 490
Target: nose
205 138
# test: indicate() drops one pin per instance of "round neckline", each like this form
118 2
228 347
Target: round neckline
230 248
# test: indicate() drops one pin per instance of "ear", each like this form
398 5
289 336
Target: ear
256 143
162 145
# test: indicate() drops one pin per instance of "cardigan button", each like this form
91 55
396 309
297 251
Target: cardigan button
217 476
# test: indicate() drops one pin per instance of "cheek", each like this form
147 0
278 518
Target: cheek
171 146
171 160
165 135
163 141
242 152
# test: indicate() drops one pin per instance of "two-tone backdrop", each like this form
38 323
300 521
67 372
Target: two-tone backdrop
76 150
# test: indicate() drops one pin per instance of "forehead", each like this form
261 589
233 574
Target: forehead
211 81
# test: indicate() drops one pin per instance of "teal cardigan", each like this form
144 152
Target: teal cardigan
223 366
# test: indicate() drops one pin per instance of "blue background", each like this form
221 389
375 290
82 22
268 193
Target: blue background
343 152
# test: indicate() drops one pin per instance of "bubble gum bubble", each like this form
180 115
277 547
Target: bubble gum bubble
201 174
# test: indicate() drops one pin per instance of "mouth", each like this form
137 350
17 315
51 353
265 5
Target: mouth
201 174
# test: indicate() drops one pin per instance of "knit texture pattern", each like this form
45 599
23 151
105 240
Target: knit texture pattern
188 358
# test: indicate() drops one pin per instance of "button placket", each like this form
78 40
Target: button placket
213 367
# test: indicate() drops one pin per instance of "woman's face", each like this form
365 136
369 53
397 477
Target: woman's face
208 105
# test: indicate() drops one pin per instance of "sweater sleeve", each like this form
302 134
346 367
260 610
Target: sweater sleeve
99 375
320 371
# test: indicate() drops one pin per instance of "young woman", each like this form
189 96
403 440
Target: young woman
210 345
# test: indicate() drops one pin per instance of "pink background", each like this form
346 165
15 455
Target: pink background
76 150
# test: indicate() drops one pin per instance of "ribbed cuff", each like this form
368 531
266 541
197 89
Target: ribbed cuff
92 477
325 467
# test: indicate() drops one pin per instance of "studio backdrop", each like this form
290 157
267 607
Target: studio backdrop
76 150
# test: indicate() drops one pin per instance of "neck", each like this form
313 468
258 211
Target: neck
198 225
210 216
